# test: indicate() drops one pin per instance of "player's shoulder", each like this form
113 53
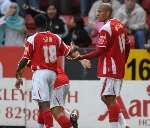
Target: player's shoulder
30 38
116 21
107 27
58 38
117 24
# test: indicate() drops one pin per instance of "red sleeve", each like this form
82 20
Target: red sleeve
28 51
64 49
98 52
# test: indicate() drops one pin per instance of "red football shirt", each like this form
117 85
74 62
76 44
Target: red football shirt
113 37
43 49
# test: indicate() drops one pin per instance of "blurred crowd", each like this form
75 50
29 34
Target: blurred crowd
74 21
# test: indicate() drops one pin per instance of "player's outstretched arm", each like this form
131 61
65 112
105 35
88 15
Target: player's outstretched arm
75 54
99 51
19 70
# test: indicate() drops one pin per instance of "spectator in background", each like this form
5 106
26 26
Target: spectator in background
79 36
27 9
12 27
133 16
66 7
85 7
34 3
55 24
22 5
93 11
25 4
4 6
146 5
44 5
56 3
121 1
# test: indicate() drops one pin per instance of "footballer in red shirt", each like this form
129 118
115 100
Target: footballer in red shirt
42 51
112 51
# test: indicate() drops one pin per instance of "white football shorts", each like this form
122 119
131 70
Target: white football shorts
111 86
42 84
58 96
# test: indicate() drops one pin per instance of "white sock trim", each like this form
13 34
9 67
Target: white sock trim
122 120
114 125
40 125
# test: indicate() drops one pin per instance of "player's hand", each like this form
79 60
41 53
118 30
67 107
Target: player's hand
85 63
75 55
18 83
73 50
19 80
78 57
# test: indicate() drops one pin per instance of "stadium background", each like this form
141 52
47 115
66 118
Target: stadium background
18 111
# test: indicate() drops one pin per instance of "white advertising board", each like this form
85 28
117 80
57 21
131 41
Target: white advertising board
17 108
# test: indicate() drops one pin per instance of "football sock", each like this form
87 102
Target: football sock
48 118
40 117
40 120
113 124
64 122
114 111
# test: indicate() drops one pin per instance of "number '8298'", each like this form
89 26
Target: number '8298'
18 113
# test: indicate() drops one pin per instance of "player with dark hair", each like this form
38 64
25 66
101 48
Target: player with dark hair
112 50
42 50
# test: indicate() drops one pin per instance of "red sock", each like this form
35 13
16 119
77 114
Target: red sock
40 117
114 111
64 122
48 118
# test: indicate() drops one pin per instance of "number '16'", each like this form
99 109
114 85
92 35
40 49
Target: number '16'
144 71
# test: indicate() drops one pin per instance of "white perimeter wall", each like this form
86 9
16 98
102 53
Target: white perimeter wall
84 96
